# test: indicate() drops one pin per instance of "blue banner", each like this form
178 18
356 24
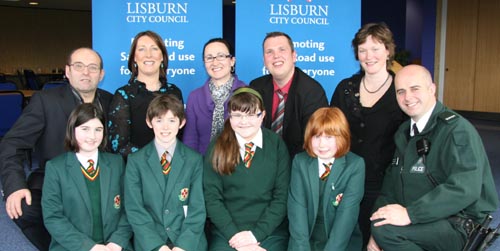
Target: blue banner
322 31
185 26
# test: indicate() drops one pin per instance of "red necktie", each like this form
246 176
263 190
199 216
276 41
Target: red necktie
327 171
165 164
248 154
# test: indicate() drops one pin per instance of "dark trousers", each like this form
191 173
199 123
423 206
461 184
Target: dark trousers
31 222
441 235
365 211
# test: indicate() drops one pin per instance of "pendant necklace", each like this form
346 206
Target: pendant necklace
378 89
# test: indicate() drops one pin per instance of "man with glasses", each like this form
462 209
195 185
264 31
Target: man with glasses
290 96
42 127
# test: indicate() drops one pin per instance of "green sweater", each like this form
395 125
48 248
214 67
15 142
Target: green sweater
250 199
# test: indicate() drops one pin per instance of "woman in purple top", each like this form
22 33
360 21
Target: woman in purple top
206 108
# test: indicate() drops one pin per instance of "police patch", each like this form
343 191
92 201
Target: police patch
417 169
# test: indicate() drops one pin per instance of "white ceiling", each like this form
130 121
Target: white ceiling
85 5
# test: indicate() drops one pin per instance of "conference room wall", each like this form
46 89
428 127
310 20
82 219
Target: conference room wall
40 39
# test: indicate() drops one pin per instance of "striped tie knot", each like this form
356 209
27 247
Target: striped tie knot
90 172
165 164
277 125
328 167
91 169
247 160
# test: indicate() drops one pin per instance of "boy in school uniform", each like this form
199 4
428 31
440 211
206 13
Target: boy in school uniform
163 185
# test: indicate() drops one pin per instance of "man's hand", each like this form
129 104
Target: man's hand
13 203
372 245
393 214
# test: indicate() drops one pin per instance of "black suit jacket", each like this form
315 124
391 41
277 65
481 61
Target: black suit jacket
42 127
305 96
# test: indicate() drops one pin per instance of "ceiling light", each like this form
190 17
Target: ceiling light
33 3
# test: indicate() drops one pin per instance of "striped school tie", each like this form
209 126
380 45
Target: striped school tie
277 125
328 166
91 172
247 160
165 164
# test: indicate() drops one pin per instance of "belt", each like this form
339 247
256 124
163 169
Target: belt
466 224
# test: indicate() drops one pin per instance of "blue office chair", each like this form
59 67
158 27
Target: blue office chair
53 84
8 86
31 81
12 103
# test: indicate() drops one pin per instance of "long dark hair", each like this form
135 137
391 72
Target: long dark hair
226 154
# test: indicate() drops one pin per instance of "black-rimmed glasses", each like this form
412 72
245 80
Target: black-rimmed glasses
220 57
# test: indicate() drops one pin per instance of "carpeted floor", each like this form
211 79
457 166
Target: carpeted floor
11 238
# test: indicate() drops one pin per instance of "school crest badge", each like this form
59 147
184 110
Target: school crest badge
338 199
184 194
117 202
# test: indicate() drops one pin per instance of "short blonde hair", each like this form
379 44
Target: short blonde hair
330 121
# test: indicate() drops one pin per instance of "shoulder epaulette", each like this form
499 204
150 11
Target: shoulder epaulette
448 116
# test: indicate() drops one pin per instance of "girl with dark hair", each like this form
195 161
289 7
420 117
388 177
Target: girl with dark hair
83 189
246 176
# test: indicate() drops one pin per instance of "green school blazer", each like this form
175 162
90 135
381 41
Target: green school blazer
158 210
66 203
341 198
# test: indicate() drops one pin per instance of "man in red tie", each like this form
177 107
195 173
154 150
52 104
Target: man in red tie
290 96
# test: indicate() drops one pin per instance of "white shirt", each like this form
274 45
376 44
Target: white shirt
84 161
321 167
422 122
171 149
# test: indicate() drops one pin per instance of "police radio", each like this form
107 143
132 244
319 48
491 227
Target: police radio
423 148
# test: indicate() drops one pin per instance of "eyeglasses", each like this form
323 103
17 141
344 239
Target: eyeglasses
93 68
220 57
240 117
